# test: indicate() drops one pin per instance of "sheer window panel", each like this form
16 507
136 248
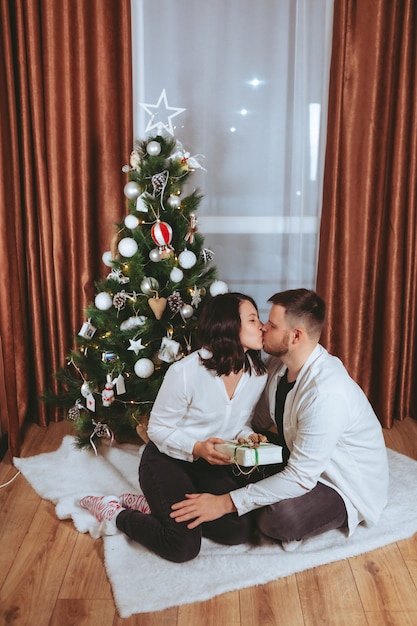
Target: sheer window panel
261 265
253 78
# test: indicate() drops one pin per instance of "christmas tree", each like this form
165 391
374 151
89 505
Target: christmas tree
145 311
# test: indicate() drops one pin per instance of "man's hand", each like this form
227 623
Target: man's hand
206 450
202 507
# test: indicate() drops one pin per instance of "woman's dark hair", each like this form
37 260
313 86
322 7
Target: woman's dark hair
218 330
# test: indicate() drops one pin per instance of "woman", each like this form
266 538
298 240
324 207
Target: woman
206 398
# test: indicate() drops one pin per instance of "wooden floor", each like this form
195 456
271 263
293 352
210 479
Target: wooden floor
52 575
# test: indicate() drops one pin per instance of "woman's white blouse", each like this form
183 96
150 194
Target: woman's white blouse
193 405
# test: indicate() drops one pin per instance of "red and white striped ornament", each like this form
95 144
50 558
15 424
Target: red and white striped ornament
161 233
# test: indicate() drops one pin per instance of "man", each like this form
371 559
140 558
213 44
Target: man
336 469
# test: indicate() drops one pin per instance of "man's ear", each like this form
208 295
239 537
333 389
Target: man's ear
297 334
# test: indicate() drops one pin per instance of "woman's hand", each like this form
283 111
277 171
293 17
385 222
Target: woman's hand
202 507
206 450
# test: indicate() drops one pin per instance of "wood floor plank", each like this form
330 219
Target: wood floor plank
51 574
329 596
277 602
408 548
86 575
384 581
38 439
403 437
33 582
222 610
76 612
412 568
161 618
16 514
390 618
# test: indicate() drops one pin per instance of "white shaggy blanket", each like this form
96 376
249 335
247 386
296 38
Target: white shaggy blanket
66 475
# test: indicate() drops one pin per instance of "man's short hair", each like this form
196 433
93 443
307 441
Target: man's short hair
305 305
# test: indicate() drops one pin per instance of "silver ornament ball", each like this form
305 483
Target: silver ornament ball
186 311
153 148
149 285
155 255
85 389
174 202
131 190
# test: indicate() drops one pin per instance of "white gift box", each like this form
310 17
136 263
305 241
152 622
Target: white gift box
247 456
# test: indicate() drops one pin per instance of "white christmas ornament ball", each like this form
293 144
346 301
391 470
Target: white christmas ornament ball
131 221
107 258
131 190
217 287
103 301
187 259
176 275
153 148
144 368
127 246
186 311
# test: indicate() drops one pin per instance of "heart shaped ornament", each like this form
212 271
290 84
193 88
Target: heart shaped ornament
158 306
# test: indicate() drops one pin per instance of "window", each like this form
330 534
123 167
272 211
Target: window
253 80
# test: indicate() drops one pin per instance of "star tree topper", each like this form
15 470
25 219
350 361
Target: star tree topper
159 114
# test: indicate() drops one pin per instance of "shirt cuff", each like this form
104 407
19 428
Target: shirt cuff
242 502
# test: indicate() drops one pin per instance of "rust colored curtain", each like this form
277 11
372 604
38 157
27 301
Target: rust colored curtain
65 132
368 240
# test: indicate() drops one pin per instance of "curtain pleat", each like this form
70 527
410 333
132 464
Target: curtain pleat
368 248
66 130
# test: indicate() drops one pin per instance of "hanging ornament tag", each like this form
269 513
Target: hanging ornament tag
91 403
140 205
87 330
120 385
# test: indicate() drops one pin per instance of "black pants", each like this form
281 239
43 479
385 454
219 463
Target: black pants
316 512
164 481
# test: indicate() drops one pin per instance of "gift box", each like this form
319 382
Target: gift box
248 456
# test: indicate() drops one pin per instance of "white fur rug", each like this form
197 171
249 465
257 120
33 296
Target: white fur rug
64 476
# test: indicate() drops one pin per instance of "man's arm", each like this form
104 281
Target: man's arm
202 507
